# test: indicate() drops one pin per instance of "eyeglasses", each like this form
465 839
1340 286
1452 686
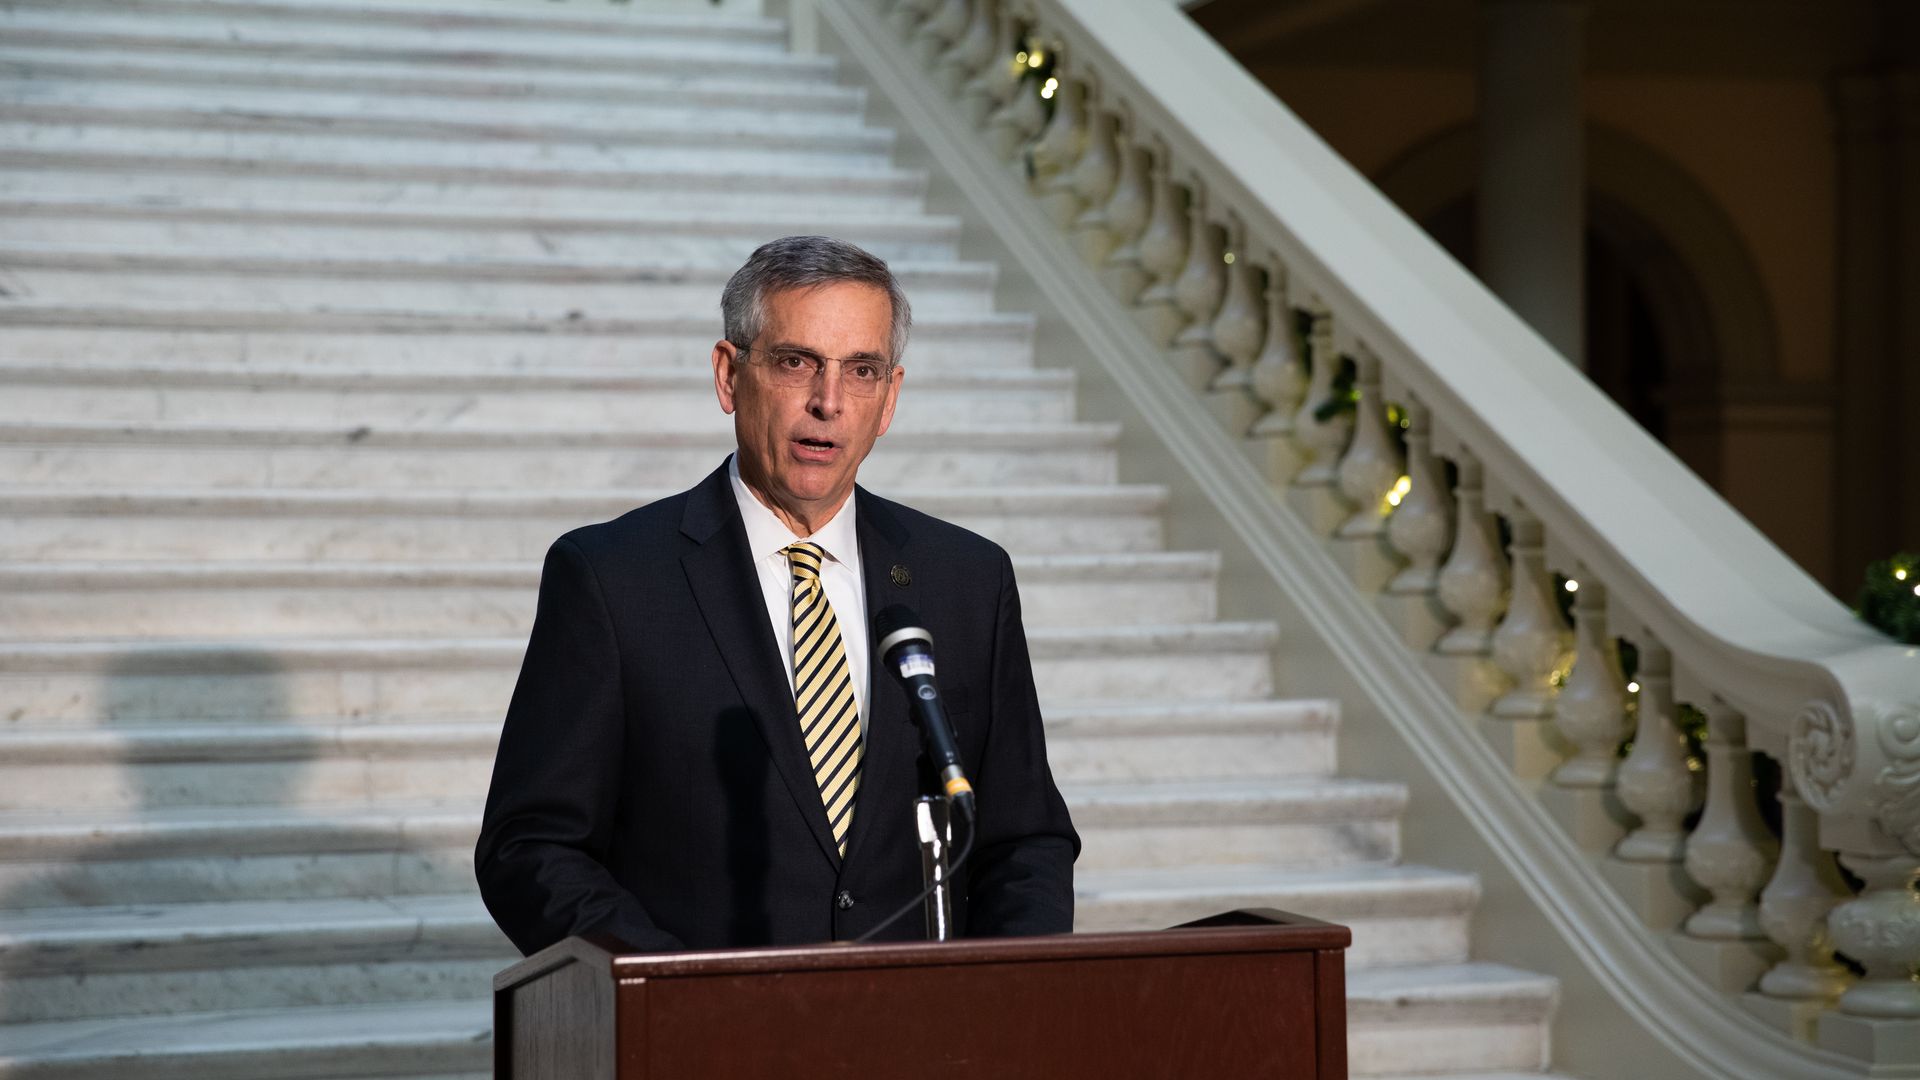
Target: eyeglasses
796 369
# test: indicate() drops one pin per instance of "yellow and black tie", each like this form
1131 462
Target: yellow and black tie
823 691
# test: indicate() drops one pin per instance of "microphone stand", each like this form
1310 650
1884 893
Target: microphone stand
933 822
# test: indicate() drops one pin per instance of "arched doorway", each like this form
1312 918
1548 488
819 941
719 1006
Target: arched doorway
1676 313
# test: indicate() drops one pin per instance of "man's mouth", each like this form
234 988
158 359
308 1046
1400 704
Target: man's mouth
811 449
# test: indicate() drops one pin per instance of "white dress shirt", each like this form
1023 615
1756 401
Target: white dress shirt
767 535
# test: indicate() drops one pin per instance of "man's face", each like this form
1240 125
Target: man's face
801 446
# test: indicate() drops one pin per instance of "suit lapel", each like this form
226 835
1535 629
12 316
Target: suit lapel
886 784
721 575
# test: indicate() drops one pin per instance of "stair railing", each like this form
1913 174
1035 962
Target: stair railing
1523 536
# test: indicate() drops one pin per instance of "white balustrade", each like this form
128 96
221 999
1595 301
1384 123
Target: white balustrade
1163 255
1128 210
942 27
993 83
1805 886
1371 467
972 52
1321 437
1197 293
1093 180
1591 710
1279 375
1054 153
1531 643
1155 193
1472 584
1654 781
1421 527
1881 929
1730 852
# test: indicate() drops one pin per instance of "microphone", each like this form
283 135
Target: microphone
907 648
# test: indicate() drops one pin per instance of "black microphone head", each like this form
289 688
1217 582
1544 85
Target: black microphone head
896 625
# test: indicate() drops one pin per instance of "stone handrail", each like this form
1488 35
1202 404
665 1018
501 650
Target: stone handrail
1264 269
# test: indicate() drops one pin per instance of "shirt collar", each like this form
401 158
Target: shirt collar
767 534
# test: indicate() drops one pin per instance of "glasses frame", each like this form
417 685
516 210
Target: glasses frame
820 367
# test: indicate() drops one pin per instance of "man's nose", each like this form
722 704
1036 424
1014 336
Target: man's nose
827 396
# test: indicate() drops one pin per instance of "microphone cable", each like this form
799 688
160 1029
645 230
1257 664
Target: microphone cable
966 849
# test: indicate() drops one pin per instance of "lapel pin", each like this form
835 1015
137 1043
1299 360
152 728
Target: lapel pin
902 577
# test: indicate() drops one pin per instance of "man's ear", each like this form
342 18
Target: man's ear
726 368
892 399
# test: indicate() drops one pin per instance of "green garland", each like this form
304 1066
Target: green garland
1890 598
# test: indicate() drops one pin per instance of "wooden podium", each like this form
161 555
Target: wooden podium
1242 995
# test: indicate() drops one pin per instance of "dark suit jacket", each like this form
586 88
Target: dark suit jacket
651 784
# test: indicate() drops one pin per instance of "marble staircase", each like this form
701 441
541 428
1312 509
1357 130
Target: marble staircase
318 322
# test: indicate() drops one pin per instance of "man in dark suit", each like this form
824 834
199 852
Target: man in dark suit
702 750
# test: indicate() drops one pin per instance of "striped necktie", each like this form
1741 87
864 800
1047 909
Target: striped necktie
823 691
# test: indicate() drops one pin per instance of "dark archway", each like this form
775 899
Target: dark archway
1676 313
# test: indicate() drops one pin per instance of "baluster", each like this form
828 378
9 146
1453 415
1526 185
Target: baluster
970 53
1530 644
1591 712
1420 526
1793 907
1730 852
1128 211
1239 330
1279 375
993 82
1163 254
1197 292
1321 439
906 16
1472 585
1058 148
1016 121
1881 929
936 35
1371 466
1654 782
1092 180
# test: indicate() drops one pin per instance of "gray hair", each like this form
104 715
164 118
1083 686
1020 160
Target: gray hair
806 262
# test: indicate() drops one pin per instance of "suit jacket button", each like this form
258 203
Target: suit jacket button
844 900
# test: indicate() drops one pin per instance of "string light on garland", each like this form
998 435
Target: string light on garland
1048 88
1396 493
1572 585
1890 600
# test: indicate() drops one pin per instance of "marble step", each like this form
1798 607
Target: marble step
1399 914
1303 822
646 21
235 338
72 963
362 232
84 683
347 526
663 400
626 137
131 71
241 763
258 600
1402 1021
89 165
421 1040
535 287
1448 1018
87 856
806 88
349 108
511 49
72 456
104 165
